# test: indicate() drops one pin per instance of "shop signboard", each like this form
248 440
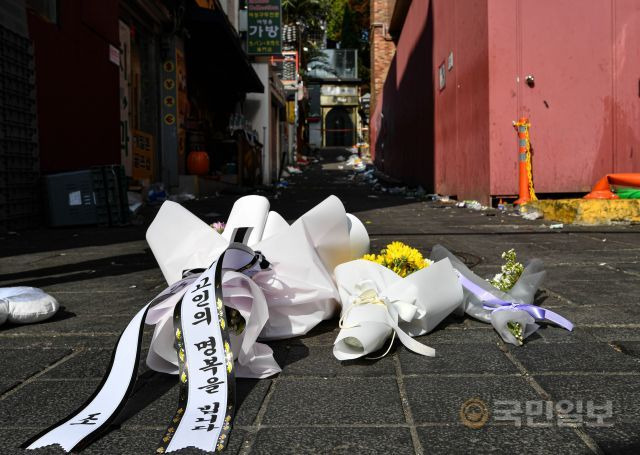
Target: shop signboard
125 68
264 24
142 151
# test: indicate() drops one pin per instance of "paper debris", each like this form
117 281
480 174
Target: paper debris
532 215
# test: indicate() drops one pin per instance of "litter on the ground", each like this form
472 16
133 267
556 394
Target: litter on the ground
556 226
532 215
182 197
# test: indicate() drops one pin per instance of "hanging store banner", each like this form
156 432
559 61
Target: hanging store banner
142 155
125 78
264 22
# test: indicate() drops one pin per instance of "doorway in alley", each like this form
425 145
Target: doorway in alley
339 128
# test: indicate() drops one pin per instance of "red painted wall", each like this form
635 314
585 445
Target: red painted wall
77 86
584 107
585 58
462 107
402 126
437 138
626 58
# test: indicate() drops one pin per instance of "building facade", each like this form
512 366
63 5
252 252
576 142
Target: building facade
463 71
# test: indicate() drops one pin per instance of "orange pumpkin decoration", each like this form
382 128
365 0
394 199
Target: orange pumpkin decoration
198 162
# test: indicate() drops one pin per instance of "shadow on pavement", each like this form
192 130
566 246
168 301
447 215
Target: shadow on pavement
86 270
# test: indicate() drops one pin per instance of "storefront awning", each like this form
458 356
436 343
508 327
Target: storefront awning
215 51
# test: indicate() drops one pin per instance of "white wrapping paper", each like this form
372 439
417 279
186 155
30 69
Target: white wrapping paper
290 299
500 319
523 291
376 302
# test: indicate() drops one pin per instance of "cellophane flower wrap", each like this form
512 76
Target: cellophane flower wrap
504 310
378 303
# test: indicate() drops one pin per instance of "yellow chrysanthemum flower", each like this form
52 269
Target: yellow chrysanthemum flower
400 258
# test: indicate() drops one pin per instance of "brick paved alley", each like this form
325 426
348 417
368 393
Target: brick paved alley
402 403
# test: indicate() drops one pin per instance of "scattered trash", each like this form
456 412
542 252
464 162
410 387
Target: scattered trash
282 184
134 199
340 158
474 205
133 286
285 174
352 160
602 263
156 193
471 204
294 170
340 166
532 215
556 226
303 159
181 197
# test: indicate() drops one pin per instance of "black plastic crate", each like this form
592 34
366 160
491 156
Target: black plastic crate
15 147
110 188
24 46
19 209
12 178
12 38
95 196
19 193
17 86
18 163
69 198
17 131
20 223
19 70
18 102
18 117
14 56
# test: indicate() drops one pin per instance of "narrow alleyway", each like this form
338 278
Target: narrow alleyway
402 403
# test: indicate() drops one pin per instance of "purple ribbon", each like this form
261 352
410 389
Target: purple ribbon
491 302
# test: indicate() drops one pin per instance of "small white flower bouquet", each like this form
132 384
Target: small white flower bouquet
507 300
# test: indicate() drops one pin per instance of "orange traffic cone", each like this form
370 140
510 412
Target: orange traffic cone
602 189
526 193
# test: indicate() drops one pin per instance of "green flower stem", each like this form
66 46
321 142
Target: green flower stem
516 330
